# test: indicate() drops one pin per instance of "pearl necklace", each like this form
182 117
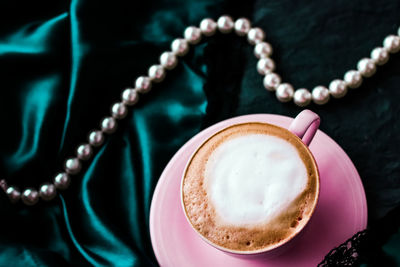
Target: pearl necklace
284 92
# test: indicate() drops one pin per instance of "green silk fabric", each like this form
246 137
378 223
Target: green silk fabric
63 63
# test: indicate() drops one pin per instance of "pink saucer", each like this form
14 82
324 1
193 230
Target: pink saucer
341 210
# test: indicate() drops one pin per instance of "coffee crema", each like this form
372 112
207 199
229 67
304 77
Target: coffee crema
250 187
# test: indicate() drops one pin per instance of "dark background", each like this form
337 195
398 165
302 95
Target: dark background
62 64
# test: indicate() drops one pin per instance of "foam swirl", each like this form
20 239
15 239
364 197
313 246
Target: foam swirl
252 178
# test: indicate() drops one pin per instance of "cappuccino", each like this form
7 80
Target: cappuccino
250 187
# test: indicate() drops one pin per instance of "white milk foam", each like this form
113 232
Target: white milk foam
251 178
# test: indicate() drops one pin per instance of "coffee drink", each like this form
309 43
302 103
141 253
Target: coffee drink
250 187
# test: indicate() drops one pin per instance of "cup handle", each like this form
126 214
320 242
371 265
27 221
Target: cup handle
305 125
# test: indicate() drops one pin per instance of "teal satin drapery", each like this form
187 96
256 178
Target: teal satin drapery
62 65
61 71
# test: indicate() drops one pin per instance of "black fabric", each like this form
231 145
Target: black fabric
81 54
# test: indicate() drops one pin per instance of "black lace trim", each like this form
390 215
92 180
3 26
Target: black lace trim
348 253
366 246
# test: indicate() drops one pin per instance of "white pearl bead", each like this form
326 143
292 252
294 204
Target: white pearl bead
392 43
380 55
168 60
242 26
47 191
143 84
302 97
62 181
208 26
271 81
192 34
3 185
265 65
284 92
262 49
353 79
180 46
108 125
119 110
320 95
96 138
366 67
30 196
225 24
13 194
255 36
72 166
130 96
84 152
338 88
156 73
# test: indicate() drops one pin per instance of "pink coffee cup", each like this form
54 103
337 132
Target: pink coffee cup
304 128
